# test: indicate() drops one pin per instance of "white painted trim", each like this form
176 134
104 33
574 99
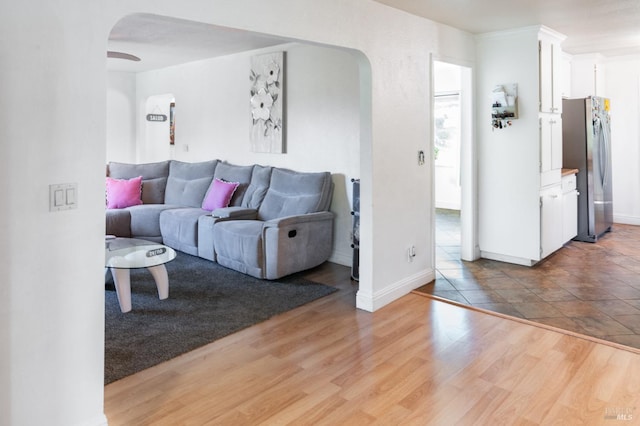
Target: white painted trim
371 303
538 30
448 205
530 30
627 220
469 169
551 33
344 258
100 420
508 259
469 250
432 161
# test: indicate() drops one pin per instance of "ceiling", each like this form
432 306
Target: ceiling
161 42
608 27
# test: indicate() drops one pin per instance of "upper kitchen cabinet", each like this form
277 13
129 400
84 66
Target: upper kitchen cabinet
587 75
550 89
550 149
550 71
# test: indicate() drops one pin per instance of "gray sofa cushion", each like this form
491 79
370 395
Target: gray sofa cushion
232 173
145 220
154 178
293 193
153 190
257 189
188 182
147 170
206 223
179 228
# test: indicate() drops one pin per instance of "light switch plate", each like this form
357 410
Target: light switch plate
63 196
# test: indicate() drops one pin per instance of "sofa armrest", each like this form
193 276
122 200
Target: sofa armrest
295 243
299 219
235 213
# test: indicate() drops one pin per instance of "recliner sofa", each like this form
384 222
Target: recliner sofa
277 222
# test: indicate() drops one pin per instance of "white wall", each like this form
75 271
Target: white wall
508 165
121 113
153 141
212 106
52 263
622 86
617 78
54 131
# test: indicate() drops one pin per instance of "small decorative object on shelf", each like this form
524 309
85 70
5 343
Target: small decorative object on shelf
355 233
504 105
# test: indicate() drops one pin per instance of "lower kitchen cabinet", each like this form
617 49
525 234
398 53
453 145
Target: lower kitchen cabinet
551 220
558 214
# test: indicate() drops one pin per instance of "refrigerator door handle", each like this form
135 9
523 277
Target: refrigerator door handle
601 130
606 149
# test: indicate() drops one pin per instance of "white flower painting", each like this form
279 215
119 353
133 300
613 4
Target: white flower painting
267 96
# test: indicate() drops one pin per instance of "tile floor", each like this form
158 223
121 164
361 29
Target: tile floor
587 288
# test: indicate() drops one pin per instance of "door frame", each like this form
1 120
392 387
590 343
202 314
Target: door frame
469 249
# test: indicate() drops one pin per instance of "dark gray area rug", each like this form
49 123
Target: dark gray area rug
206 302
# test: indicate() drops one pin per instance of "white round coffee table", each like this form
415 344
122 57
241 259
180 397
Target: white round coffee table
124 254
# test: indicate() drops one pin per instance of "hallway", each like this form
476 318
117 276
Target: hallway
591 289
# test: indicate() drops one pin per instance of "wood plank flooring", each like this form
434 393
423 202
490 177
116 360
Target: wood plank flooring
416 361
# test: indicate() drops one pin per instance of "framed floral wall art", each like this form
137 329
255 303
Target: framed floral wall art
267 100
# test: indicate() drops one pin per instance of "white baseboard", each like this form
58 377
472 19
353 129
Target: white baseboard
627 220
342 257
100 420
375 301
447 205
507 259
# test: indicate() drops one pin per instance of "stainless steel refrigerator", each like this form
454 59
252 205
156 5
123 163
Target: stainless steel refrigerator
586 141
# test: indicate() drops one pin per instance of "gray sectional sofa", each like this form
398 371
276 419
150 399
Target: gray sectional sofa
277 223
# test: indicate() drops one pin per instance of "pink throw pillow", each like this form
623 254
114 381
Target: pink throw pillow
219 195
123 193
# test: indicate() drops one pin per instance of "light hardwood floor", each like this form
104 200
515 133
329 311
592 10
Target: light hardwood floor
417 361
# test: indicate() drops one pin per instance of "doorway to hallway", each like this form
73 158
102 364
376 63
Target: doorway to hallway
454 162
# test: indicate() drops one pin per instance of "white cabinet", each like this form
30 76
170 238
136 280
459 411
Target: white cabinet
550 75
569 207
552 235
550 149
551 238
587 75
550 105
558 215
